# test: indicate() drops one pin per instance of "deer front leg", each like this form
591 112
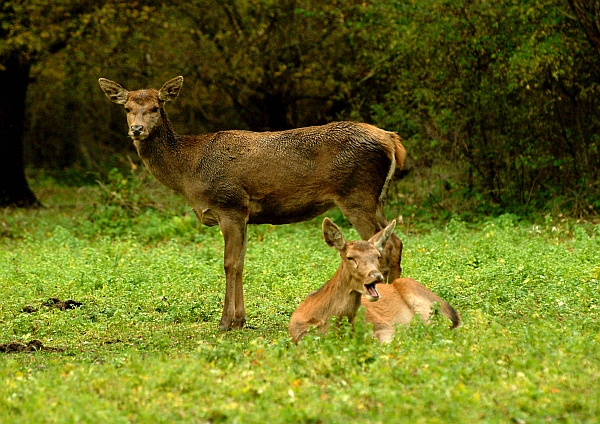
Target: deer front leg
234 234
240 309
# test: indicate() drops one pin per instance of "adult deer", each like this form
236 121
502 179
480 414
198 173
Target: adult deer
355 283
235 178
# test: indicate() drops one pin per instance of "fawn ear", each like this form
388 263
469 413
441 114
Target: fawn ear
380 239
170 90
113 91
333 235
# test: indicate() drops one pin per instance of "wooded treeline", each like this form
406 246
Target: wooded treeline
503 93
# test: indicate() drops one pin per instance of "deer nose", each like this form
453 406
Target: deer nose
137 129
376 275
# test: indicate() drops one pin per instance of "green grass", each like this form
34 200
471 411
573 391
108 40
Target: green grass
144 346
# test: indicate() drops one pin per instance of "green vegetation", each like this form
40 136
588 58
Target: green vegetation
144 346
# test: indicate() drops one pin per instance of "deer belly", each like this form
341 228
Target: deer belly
277 211
207 217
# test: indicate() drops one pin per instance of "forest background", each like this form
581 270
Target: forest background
497 101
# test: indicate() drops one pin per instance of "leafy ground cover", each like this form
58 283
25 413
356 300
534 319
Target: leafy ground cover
140 342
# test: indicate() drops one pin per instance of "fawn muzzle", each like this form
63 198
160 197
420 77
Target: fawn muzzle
371 292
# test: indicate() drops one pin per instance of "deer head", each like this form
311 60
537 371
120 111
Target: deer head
144 107
359 269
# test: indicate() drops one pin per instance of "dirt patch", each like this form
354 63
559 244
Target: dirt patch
54 303
29 309
31 346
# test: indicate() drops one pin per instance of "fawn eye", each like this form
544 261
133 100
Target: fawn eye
127 110
154 109
350 259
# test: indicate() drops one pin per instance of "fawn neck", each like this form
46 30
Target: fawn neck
335 298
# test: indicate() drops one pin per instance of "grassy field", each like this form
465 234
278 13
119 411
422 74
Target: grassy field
141 343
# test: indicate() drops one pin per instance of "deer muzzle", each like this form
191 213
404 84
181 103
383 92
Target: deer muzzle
136 130
370 288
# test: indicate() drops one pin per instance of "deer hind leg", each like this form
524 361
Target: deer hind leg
423 308
392 258
234 233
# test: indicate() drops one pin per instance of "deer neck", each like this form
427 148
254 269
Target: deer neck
161 153
336 298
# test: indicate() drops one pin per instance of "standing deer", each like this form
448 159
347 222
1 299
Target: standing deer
354 283
236 178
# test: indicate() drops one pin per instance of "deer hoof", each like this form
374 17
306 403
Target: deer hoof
225 324
238 323
234 323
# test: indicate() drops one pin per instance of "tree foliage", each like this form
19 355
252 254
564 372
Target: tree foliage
31 33
502 92
506 88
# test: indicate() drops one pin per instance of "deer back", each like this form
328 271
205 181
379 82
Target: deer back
287 176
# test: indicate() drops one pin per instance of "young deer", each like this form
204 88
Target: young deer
399 302
236 178
354 283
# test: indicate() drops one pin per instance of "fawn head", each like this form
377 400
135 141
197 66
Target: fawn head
359 269
144 107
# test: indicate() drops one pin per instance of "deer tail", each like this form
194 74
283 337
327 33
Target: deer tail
397 160
400 151
451 313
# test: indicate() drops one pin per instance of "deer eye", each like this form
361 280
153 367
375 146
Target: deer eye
154 109
127 110
350 258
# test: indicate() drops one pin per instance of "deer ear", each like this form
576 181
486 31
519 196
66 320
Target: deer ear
113 91
380 239
333 235
170 90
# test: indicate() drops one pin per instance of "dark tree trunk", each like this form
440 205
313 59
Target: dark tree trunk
587 14
14 79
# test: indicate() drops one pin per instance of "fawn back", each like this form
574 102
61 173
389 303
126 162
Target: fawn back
399 302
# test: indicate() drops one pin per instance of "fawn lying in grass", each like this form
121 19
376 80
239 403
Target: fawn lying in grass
354 283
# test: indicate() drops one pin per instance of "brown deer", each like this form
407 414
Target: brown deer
355 283
236 178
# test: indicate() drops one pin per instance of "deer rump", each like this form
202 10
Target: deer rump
290 176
